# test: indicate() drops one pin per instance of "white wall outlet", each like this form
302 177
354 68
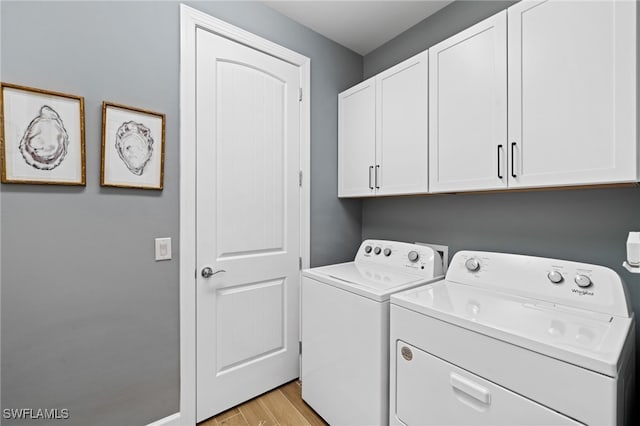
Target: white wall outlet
163 248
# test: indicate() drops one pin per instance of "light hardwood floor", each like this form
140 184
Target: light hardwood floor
281 406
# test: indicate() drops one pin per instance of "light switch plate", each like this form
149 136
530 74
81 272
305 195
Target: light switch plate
163 248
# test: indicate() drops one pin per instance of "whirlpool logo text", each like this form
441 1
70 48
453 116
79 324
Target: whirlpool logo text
582 292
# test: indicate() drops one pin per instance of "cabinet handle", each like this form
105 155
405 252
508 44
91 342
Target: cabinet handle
370 170
499 150
513 164
377 170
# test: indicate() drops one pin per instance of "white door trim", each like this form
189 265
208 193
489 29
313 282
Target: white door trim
190 20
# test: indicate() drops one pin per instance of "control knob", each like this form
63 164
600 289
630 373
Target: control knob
472 264
367 249
583 281
377 250
387 252
413 256
555 277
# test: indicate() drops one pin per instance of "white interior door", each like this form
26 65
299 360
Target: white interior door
248 222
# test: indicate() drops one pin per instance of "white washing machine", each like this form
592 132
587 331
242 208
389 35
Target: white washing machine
513 340
345 328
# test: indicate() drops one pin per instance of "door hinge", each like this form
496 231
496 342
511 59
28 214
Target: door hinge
300 178
300 263
300 348
300 94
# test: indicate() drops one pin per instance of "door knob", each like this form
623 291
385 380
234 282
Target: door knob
207 272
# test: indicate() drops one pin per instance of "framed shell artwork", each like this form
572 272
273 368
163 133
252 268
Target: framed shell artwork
132 147
41 136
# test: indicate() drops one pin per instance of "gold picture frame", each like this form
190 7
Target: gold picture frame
130 155
42 136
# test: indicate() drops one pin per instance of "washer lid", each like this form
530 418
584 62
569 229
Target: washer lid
373 281
588 339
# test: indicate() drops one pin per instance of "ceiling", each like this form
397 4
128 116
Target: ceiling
361 26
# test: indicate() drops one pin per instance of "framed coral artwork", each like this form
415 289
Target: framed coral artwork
132 147
41 136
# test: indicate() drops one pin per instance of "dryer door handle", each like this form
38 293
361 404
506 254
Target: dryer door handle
470 388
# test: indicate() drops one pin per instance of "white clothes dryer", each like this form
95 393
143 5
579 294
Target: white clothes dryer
345 328
513 340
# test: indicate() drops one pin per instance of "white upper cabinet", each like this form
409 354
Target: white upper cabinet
357 140
382 133
468 109
540 95
401 128
572 93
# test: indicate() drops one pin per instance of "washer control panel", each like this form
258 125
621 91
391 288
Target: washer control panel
575 284
419 259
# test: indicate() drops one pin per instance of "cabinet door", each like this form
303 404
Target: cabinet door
401 137
468 109
572 92
356 140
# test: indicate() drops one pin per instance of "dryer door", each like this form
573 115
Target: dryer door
431 391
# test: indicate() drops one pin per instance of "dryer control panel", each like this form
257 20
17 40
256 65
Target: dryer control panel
417 259
573 284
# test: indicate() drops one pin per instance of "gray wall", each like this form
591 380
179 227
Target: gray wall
446 22
89 320
588 225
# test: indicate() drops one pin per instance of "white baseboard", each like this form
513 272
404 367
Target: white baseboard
172 420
